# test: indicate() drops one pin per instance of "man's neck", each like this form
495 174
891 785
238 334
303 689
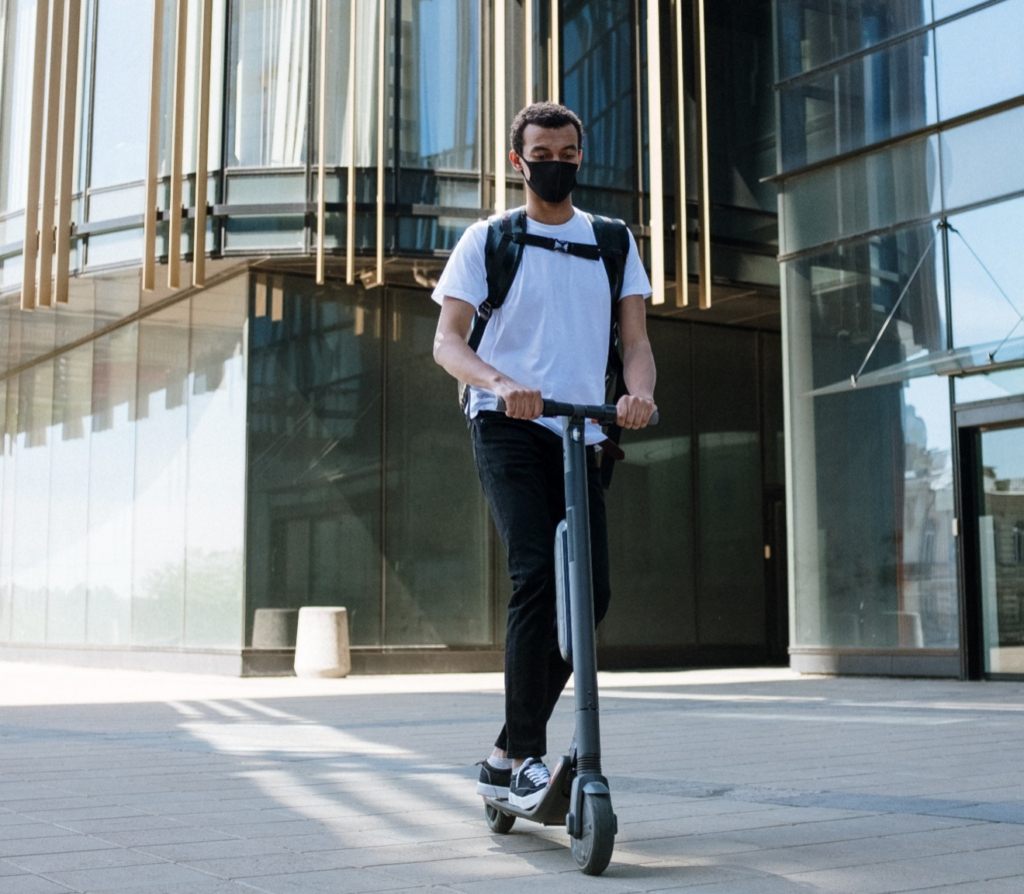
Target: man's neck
546 213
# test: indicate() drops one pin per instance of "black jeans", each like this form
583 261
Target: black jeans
522 472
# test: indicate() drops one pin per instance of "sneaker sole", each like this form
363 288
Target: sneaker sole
497 792
528 802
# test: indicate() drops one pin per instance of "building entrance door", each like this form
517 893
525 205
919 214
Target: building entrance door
994 512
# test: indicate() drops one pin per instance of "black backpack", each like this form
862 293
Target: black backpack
506 238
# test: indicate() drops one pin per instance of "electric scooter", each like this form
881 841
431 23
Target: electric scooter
578 794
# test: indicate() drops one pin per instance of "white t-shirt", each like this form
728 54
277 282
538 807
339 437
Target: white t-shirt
551 333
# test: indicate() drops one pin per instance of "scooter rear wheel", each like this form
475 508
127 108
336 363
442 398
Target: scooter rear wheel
498 822
593 850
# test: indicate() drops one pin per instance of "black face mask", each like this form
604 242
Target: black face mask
552 181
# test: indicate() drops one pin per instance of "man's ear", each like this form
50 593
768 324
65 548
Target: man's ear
517 162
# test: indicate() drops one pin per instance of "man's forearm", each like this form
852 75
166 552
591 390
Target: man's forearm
638 370
461 362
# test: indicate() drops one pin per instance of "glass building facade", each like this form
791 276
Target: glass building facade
900 213
827 197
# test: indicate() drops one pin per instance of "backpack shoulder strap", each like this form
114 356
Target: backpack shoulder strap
613 241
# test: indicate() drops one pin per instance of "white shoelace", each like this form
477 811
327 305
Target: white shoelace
536 772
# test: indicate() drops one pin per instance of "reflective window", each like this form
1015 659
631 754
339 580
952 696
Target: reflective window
437 579
875 566
866 193
981 160
812 33
867 100
651 512
440 46
17 27
986 275
120 98
314 451
599 85
269 83
978 58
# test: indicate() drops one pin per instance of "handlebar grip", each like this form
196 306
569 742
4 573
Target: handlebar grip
553 408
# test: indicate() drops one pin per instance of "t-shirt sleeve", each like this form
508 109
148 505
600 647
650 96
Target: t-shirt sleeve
465 275
634 280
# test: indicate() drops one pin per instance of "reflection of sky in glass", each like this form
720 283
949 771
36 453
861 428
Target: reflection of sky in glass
121 91
978 58
1003 452
995 233
439 57
15 82
928 399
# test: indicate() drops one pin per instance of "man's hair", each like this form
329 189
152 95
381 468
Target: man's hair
544 114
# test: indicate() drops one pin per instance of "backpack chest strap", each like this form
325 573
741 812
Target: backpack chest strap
577 249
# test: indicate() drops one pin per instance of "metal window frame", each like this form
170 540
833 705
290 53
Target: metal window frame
201 198
51 133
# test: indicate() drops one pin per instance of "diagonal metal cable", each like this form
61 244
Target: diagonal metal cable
892 313
995 282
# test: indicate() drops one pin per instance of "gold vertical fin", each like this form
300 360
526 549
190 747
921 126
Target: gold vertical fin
555 75
682 243
382 73
499 106
528 41
704 229
350 216
50 144
321 148
177 147
261 295
30 244
202 143
153 151
68 112
654 143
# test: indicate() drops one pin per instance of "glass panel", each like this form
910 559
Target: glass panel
598 83
867 100
651 512
314 452
1005 383
17 34
872 491
437 585
8 427
269 83
161 450
215 520
1001 549
974 56
339 117
31 504
120 100
112 486
866 193
986 273
440 45
981 160
730 592
812 33
68 559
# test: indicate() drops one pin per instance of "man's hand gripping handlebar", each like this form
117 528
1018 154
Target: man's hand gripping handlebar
602 414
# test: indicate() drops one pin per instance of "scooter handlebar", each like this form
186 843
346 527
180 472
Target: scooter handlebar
604 414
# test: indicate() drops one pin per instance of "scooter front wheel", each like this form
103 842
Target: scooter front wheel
498 822
592 851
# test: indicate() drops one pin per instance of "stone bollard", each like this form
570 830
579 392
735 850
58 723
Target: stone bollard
274 628
321 645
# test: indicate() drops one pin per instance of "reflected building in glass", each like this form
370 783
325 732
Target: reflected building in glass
217 391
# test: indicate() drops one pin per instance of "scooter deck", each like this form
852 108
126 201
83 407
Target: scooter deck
553 808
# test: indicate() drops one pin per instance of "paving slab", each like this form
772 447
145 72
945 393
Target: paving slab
751 781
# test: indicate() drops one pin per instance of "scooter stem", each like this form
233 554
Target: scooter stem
581 590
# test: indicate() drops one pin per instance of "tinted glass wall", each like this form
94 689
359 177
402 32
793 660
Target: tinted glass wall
896 254
121 507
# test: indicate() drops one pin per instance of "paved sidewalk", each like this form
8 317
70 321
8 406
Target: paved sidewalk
726 782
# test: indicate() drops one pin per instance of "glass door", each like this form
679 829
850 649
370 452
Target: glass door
999 501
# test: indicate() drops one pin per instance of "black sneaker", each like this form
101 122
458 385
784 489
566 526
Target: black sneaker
493 782
529 784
